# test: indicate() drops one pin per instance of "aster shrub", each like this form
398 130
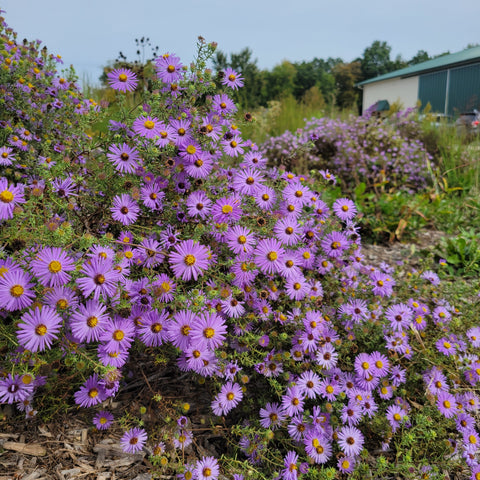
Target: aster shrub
166 245
363 149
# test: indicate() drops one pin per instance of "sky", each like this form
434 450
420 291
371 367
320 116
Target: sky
90 33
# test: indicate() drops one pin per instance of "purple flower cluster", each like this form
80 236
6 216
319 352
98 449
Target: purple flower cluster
360 149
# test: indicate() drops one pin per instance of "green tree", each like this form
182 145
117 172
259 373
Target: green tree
346 76
376 60
420 56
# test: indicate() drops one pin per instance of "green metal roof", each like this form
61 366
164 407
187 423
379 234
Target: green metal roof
470 55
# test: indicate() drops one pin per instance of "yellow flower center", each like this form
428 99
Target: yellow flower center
93 392
170 68
189 260
118 335
6 196
306 255
166 287
41 330
55 266
122 77
198 162
447 404
149 124
27 379
227 209
230 396
4 154
209 332
196 353
297 286
265 197
185 330
156 327
365 365
329 389
17 291
92 321
289 230
345 208
242 239
397 417
206 472
232 77
272 256
345 464
191 149
233 143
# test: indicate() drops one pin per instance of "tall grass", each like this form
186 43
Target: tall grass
287 114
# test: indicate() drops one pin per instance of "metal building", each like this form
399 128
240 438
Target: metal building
451 84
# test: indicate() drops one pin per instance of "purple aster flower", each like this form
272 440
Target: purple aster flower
247 181
88 322
91 393
297 288
152 195
153 331
14 389
64 298
229 397
201 167
198 204
272 416
122 79
125 209
344 209
290 472
240 239
269 255
265 197
39 328
15 289
100 278
400 316
395 415
149 253
446 346
223 105
10 197
364 366
232 79
381 364
473 335
189 260
447 404
334 244
232 307
64 187
209 329
148 127
51 265
287 230
169 68
352 413
180 327
346 464
124 158
103 420
292 401
133 440
317 446
115 359
382 284
163 288
207 469
432 277
118 334
6 157
350 440
227 209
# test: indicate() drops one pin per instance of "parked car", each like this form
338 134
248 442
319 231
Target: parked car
468 122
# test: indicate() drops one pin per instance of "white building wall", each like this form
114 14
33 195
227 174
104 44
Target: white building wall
403 90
